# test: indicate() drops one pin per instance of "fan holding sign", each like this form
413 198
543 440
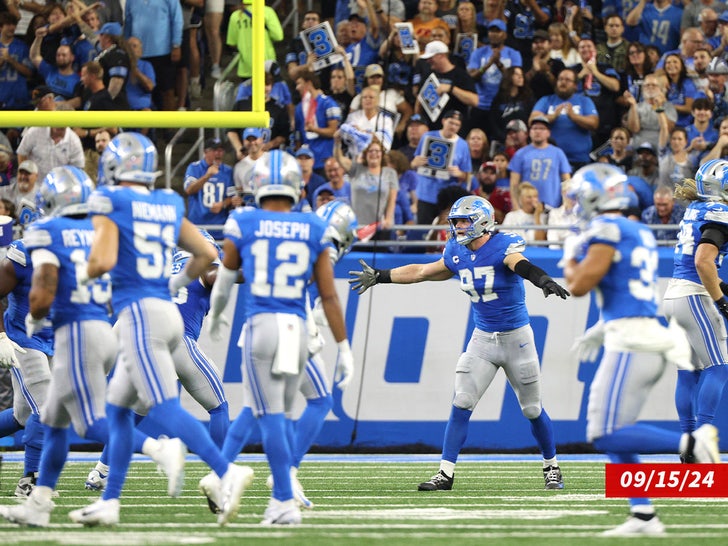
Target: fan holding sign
442 158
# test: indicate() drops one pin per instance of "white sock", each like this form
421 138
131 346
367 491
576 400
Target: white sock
149 446
550 462
448 468
101 467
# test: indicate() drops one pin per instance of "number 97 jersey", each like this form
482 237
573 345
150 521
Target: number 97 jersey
278 250
629 288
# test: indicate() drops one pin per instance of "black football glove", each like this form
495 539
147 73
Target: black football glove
550 286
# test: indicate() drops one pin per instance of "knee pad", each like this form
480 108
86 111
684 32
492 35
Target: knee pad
531 412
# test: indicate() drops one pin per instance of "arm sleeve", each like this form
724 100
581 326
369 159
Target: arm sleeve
221 289
532 273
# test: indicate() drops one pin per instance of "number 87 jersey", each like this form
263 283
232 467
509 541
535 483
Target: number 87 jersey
278 250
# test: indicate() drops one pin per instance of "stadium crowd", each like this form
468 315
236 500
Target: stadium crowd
529 90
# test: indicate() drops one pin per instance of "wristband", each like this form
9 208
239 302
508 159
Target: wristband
384 276
659 110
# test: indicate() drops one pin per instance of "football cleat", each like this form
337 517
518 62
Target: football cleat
210 487
25 485
438 482
635 526
34 512
281 513
170 456
101 512
232 486
705 449
96 480
553 478
298 494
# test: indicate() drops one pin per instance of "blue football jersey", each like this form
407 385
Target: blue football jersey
497 293
278 251
69 240
629 289
696 216
18 306
193 300
149 223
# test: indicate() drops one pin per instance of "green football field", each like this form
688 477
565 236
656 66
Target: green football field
497 500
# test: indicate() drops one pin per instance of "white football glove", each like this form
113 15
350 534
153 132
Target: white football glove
587 346
8 348
215 326
344 365
33 325
572 248
178 281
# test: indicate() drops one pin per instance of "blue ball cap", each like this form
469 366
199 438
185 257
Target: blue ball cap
112 29
254 132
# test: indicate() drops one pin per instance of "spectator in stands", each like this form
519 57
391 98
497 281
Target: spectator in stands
642 116
6 166
699 74
94 97
279 93
487 67
187 84
614 51
61 78
297 59
85 46
527 165
370 119
513 102
479 148
337 180
664 211
500 198
676 162
15 66
516 137
720 149
364 37
310 179
571 116
681 91
403 213
390 102
560 217
717 92
562 47
416 127
317 118
690 40
425 21
708 22
399 66
115 61
453 80
646 164
23 186
374 187
51 147
428 186
639 66
342 86
280 129
212 20
702 135
528 212
252 146
142 79
467 23
541 77
240 36
618 152
658 23
524 17
422 67
502 162
158 24
101 140
600 83
209 187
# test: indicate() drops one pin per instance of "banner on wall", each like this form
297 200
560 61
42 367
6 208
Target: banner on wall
406 341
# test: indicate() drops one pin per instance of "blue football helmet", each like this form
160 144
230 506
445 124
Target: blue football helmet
64 192
129 157
711 180
181 254
278 174
599 187
476 209
342 225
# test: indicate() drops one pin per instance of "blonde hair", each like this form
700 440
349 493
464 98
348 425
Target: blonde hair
686 190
